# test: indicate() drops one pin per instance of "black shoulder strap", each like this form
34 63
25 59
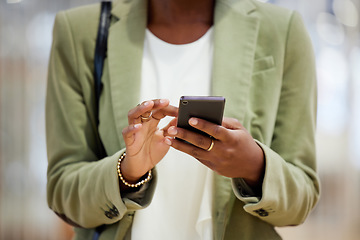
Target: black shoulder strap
100 55
100 50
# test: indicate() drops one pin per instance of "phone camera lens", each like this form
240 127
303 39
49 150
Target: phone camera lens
185 102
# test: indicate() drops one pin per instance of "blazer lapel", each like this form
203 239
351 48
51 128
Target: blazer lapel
125 47
235 42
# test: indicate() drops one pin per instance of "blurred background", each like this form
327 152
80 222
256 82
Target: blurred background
25 40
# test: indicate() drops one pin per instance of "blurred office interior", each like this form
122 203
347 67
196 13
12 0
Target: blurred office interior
25 40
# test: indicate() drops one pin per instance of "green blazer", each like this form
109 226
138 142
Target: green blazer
263 65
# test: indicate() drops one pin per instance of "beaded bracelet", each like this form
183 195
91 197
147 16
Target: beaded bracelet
124 181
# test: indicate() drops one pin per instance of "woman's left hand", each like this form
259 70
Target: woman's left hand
234 153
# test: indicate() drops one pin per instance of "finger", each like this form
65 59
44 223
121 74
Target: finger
170 124
142 109
129 133
214 130
165 111
196 139
189 149
160 103
201 155
146 114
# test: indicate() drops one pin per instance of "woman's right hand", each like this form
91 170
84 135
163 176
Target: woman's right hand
145 143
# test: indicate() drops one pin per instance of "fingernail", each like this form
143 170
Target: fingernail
168 141
163 100
146 103
193 121
172 130
137 125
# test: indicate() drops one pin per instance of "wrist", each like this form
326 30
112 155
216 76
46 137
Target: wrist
129 181
255 179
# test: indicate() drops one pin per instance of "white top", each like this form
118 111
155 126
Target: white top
182 203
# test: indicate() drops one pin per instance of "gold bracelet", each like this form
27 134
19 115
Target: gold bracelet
124 181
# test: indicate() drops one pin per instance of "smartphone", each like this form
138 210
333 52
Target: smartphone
209 108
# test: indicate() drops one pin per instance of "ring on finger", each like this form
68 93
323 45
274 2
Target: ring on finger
211 145
146 119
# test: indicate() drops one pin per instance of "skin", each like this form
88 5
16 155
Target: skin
146 144
235 154
180 21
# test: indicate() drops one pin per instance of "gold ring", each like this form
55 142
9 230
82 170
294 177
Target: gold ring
211 145
146 119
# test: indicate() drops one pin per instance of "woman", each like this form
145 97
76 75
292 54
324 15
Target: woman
257 171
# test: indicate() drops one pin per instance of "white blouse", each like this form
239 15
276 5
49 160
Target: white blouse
182 203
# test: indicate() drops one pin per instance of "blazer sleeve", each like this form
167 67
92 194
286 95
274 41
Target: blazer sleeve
81 188
291 186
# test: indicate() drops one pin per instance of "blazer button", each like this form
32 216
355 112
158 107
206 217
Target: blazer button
109 215
262 213
115 211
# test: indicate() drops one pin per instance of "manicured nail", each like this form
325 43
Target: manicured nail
168 141
137 125
193 121
146 103
172 130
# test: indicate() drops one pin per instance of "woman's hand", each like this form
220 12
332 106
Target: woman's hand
145 144
234 153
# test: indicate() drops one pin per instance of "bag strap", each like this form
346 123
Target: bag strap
100 49
100 55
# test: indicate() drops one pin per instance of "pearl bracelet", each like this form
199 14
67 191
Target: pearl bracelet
138 184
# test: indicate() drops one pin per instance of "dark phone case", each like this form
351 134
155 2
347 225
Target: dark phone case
208 108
